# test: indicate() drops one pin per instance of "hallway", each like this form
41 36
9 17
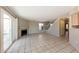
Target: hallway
41 43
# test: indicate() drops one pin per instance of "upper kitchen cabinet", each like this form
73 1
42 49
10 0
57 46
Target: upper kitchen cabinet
75 20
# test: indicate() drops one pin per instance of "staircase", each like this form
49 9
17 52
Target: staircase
47 25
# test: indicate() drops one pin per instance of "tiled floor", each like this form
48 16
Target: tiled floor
42 43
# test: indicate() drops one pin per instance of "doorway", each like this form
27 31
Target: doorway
64 27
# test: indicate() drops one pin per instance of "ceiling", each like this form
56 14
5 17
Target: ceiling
41 13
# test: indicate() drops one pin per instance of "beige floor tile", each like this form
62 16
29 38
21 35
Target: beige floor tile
42 43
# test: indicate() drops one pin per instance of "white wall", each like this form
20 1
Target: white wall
54 29
22 25
73 36
33 27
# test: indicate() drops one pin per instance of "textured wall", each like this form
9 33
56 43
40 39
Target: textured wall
22 24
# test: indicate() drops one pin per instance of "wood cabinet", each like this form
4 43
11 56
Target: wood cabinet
75 20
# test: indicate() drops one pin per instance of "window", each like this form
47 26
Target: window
40 26
51 24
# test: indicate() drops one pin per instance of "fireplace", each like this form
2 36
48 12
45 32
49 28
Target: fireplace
23 32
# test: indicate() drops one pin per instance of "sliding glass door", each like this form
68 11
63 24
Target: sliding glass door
9 30
7 37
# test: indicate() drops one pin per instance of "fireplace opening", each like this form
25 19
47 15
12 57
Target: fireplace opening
23 32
